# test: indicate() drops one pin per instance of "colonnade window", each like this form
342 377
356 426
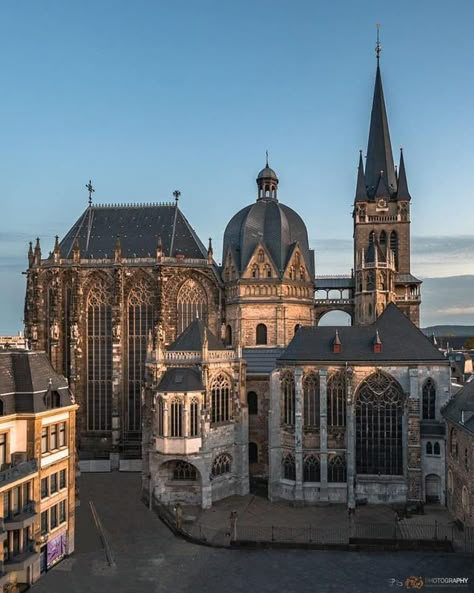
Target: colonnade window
379 413
175 417
184 471
336 400
429 400
221 399
191 303
140 322
99 357
433 448
337 471
194 418
311 469
222 465
288 388
311 401
289 467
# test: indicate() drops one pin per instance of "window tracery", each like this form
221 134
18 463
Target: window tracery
184 471
222 465
221 399
336 400
288 389
191 303
312 469
289 467
429 400
311 401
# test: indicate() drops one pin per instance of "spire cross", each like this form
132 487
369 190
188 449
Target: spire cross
176 195
378 46
91 190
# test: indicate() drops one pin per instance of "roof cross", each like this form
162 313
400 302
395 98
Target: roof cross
91 190
378 45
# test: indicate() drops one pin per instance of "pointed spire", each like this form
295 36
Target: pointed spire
403 193
377 342
382 190
30 255
56 251
118 250
361 191
336 344
379 149
37 252
210 252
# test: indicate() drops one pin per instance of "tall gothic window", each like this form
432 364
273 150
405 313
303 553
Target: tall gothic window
99 358
221 399
176 418
160 415
289 467
337 468
336 400
194 418
311 469
379 412
140 321
191 303
311 401
383 241
288 389
228 335
429 400
394 246
184 471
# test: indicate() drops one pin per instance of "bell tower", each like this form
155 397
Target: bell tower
381 216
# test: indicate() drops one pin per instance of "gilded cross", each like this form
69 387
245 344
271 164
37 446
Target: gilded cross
91 190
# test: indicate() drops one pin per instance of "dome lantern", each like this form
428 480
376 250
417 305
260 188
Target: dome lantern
267 183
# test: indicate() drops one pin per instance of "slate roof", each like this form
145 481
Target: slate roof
25 378
181 379
463 401
401 341
269 222
138 226
261 361
193 336
407 278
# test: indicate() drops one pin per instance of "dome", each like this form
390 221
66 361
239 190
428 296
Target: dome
271 223
267 173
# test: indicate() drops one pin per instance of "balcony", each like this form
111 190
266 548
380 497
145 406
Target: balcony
24 518
22 560
18 471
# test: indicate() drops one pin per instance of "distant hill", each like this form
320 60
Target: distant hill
462 331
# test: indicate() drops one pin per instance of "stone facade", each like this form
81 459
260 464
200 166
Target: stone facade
460 478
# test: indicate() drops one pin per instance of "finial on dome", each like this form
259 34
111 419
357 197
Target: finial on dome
266 159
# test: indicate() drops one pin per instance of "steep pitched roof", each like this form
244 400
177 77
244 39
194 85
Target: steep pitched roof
138 226
460 409
181 379
379 149
261 361
402 342
192 339
402 193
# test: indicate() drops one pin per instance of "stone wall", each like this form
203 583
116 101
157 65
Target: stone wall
461 475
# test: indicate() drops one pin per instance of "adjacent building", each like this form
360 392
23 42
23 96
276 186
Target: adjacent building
37 466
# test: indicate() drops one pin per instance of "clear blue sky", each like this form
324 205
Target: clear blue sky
146 97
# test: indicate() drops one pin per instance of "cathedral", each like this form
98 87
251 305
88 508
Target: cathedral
216 380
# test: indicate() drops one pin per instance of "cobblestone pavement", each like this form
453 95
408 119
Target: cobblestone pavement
149 559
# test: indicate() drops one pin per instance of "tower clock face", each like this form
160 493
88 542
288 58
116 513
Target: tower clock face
381 203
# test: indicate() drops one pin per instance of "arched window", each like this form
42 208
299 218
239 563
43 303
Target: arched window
221 399
191 303
176 418
252 402
194 418
436 449
160 416
261 334
288 467
370 280
288 390
311 469
429 400
184 471
255 271
371 238
302 273
336 400
453 443
337 468
394 246
253 453
379 413
268 271
261 256
311 401
292 273
222 465
228 335
99 357
140 322
383 241
429 448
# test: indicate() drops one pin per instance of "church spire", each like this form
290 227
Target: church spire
403 193
379 149
361 190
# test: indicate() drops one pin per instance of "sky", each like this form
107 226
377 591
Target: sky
146 97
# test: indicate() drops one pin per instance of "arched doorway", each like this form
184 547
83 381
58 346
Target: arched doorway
379 435
432 488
